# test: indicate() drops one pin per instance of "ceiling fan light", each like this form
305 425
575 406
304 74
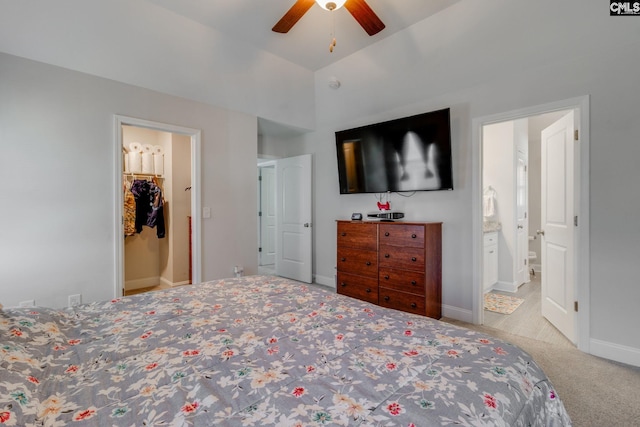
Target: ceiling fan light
331 5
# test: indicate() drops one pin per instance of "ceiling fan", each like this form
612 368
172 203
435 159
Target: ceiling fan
359 9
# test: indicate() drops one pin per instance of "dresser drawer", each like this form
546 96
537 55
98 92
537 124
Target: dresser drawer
405 281
356 261
401 257
392 264
402 301
402 235
358 235
363 288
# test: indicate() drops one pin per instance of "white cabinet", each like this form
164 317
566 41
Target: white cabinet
490 259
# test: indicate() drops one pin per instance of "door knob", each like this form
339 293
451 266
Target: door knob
540 232
520 226
307 224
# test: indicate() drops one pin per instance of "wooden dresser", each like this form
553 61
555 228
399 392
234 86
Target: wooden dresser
392 264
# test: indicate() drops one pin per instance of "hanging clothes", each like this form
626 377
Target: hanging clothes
129 211
149 206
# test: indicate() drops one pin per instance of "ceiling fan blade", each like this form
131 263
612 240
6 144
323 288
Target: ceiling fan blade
365 16
292 16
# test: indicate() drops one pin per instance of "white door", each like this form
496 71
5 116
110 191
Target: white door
267 215
293 195
522 222
557 225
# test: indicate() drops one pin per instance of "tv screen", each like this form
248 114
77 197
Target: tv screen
408 154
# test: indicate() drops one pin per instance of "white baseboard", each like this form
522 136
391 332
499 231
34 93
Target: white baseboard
617 352
185 282
457 313
327 281
167 282
506 287
141 283
151 281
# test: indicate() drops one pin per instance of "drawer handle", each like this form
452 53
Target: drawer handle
413 236
413 282
343 259
368 290
343 284
368 262
413 305
344 234
414 259
387 298
386 234
386 255
386 277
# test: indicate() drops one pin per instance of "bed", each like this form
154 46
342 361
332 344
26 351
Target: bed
260 351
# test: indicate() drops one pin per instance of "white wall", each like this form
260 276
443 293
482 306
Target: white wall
483 58
498 171
140 43
57 168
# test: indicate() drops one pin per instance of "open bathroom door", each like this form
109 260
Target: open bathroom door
557 233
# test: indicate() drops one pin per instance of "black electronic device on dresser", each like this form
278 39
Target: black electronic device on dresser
392 264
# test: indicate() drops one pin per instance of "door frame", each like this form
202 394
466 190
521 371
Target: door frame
522 237
264 164
118 227
582 261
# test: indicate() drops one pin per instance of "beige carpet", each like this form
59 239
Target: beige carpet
596 392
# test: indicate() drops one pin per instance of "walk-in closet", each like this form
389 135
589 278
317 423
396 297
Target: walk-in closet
157 209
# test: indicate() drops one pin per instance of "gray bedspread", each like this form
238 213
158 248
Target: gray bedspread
260 351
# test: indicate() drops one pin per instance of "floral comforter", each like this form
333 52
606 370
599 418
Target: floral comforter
260 351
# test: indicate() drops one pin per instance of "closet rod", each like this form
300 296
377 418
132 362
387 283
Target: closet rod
134 175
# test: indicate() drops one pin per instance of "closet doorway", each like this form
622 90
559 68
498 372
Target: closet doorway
159 250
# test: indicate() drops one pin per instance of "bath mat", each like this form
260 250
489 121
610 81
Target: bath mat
502 304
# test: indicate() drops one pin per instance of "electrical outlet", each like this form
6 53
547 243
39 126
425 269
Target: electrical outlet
28 303
238 270
75 299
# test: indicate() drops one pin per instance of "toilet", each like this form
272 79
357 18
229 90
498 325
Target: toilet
532 257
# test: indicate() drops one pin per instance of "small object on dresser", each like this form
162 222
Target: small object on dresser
384 206
356 216
385 216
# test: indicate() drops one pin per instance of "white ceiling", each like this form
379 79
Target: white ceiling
307 44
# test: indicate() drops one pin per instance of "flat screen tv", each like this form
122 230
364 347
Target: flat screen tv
407 154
